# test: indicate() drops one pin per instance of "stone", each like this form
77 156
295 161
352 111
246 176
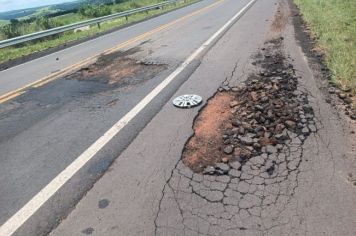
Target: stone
234 104
332 90
342 95
259 108
209 170
279 128
229 149
312 128
264 99
246 140
282 136
290 124
305 131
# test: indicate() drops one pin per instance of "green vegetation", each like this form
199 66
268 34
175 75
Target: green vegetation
3 22
21 27
333 23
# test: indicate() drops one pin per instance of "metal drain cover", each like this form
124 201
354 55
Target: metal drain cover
187 101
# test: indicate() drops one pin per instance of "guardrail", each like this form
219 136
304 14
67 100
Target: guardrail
62 29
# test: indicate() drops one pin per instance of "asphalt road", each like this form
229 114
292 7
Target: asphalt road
149 191
116 117
47 128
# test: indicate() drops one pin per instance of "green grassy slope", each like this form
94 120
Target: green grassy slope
334 24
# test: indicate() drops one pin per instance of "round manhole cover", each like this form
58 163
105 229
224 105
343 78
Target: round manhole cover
187 101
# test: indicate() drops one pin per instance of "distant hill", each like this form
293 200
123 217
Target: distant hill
49 9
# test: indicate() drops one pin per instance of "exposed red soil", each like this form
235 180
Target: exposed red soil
201 150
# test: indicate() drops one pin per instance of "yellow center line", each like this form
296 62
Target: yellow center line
75 67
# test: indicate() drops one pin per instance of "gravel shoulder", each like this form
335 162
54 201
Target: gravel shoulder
289 173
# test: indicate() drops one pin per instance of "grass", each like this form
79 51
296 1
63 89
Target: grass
333 23
3 22
11 53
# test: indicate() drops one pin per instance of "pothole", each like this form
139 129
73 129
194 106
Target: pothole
241 167
261 116
118 68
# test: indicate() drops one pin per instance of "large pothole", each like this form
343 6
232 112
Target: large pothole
118 68
240 169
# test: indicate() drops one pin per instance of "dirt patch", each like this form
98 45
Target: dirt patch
280 19
201 149
118 68
260 118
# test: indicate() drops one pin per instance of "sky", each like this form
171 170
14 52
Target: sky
8 5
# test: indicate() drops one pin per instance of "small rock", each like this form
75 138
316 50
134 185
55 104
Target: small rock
305 131
259 108
236 123
279 128
264 99
246 140
331 90
290 124
228 149
234 104
282 136
209 170
241 130
312 128
225 160
342 96
257 146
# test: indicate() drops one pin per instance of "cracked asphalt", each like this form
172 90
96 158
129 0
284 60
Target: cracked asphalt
304 188
140 185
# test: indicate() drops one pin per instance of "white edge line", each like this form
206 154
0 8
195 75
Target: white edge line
20 217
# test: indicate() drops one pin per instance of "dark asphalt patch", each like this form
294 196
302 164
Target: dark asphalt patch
110 72
103 203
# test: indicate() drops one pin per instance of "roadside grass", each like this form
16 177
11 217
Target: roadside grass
14 52
3 22
333 24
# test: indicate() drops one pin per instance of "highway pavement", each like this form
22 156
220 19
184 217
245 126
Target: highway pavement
90 148
45 129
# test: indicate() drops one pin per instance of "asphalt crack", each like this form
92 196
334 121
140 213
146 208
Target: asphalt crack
243 195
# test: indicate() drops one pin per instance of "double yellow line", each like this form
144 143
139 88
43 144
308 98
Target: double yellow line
70 69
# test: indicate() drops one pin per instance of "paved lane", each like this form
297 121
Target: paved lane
21 75
47 128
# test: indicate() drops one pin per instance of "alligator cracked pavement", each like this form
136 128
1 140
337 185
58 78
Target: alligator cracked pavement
266 155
